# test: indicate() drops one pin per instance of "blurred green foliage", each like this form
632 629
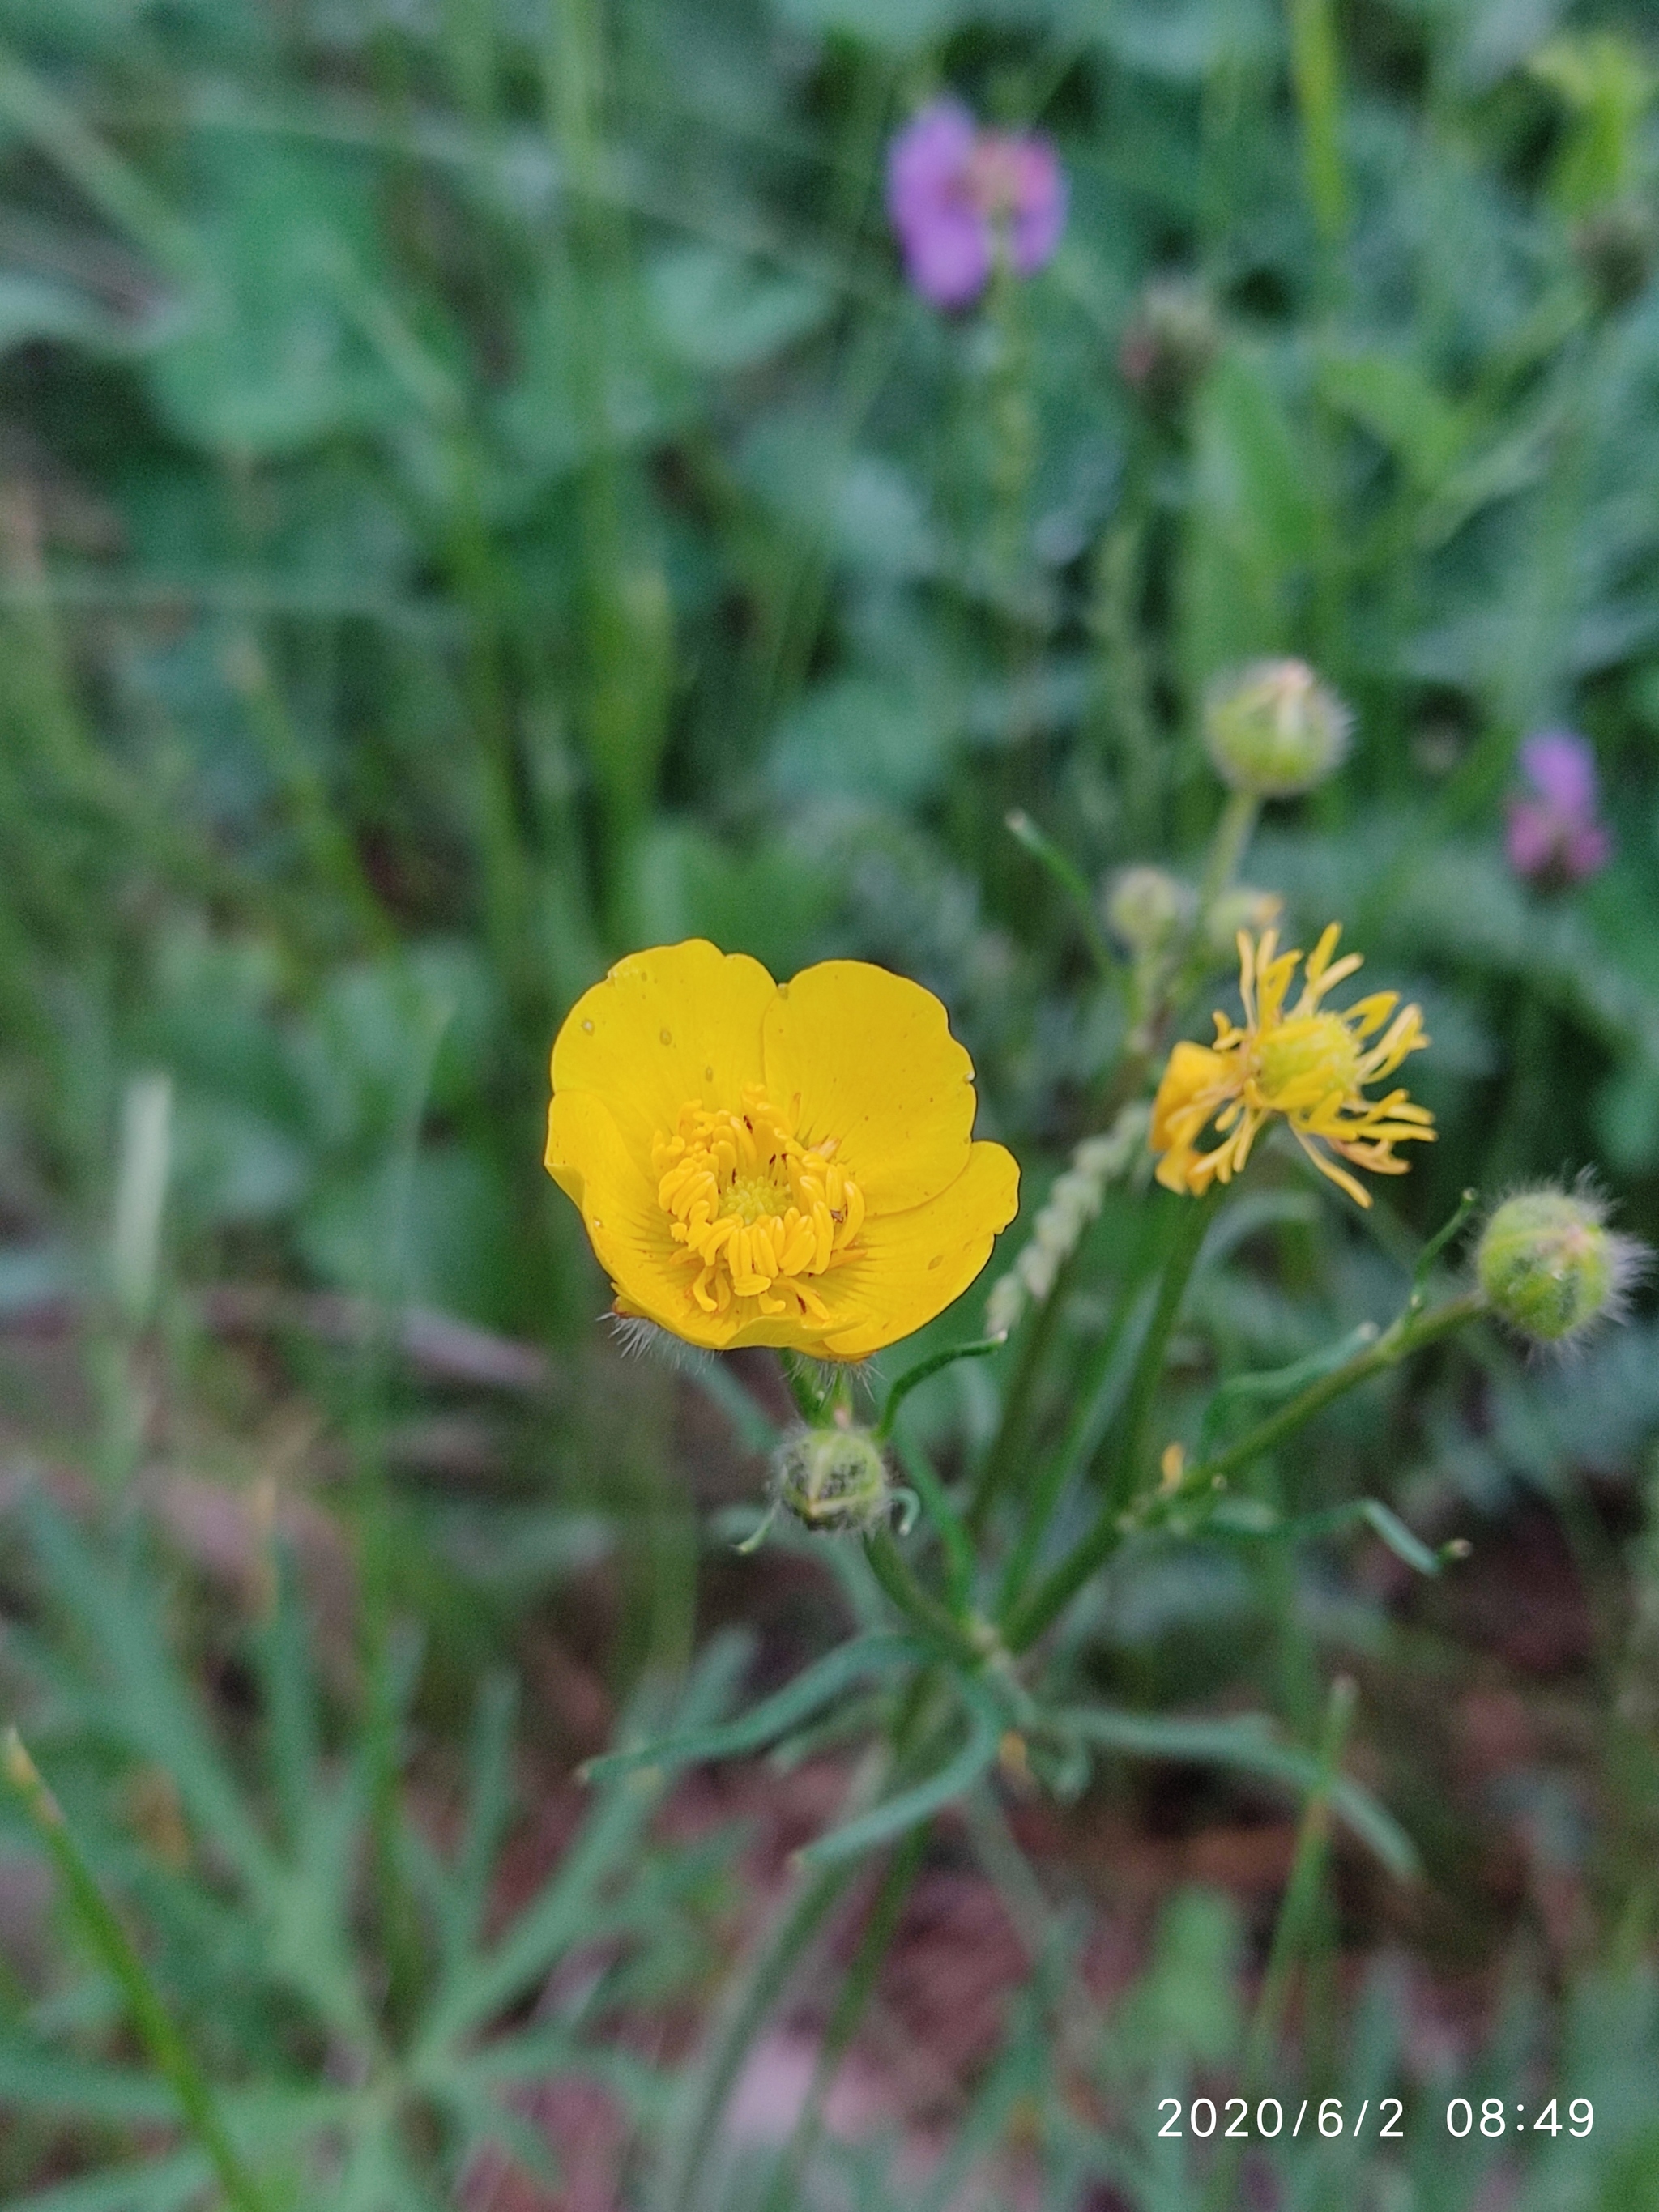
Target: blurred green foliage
476 497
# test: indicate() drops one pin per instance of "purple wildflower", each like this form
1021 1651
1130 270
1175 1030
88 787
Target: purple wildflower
956 195
1555 835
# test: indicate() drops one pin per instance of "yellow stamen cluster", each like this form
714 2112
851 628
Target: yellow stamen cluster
756 1208
1308 1065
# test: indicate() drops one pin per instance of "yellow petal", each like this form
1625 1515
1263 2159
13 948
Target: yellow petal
871 1059
907 1268
678 1022
589 1160
1192 1070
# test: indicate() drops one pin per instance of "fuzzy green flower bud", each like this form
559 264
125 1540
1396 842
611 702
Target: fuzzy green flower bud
1146 906
1173 336
832 1480
1273 729
1240 907
1551 1267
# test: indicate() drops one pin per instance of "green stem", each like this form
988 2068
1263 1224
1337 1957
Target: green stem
980 1348
1190 1225
921 1609
1295 1917
1302 1891
321 828
999 1461
1076 1445
1228 846
767 1978
1316 75
1409 1333
855 1994
156 2027
959 1558
815 1401
1227 843
773 1964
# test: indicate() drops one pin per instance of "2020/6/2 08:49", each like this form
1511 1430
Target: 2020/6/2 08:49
1203 2118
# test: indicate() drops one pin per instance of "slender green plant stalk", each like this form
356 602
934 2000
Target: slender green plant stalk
1316 75
919 1607
1190 1225
856 1991
332 856
1294 1926
1227 844
153 2023
1409 1333
765 1977
111 185
1099 1373
625 609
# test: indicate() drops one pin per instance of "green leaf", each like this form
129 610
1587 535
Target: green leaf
1390 396
908 1808
899 26
1250 1745
35 2079
719 311
810 1690
565 1912
1253 524
161 2184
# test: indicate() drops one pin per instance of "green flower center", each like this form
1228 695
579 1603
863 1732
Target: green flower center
1305 1060
756 1198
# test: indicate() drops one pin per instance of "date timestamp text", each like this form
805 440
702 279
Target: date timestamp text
1233 2118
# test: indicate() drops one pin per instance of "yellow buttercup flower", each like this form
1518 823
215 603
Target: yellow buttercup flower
1308 1064
784 1163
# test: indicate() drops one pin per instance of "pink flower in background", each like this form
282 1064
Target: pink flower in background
1555 833
956 195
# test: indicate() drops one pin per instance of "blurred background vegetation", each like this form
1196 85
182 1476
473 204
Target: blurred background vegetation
476 497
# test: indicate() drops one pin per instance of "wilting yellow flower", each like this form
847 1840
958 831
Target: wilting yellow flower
1308 1064
786 1163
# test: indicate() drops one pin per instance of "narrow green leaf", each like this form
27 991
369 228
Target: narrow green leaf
810 1691
898 1814
1250 1745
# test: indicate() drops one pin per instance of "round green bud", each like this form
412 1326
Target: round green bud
1146 906
1273 729
1172 339
832 1480
1551 1266
1240 907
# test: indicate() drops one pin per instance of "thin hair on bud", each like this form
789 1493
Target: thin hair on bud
1628 1262
639 1339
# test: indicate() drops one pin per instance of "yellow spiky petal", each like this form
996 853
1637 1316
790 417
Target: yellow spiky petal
1306 1063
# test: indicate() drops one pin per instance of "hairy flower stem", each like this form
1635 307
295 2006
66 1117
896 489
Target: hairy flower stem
157 2028
1407 1335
